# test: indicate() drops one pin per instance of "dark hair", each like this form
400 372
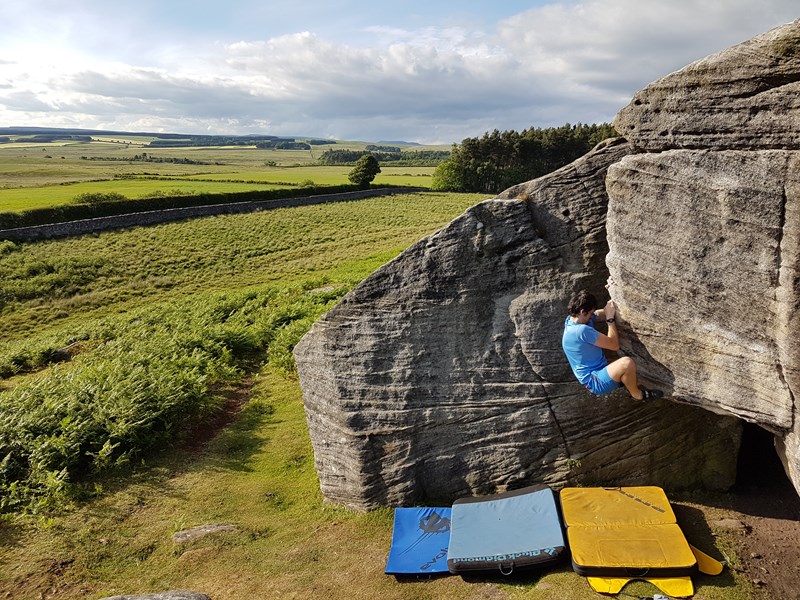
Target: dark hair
582 301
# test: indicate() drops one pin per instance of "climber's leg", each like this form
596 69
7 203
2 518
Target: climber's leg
623 370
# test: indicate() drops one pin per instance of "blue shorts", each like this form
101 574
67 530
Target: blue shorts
601 383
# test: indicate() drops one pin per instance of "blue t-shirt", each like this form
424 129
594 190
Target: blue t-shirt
578 342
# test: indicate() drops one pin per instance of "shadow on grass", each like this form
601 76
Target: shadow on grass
527 576
693 523
10 534
232 448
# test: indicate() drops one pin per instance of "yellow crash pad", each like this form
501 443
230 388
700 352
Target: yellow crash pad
677 587
627 532
705 563
622 505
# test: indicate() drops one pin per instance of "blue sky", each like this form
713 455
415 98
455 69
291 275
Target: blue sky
432 72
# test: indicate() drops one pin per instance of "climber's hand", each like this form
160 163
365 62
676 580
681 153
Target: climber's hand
610 310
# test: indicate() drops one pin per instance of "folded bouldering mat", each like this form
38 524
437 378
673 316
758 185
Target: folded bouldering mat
420 540
505 531
619 534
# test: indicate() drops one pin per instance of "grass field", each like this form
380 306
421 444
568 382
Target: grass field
212 281
45 175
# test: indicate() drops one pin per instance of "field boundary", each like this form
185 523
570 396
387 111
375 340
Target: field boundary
154 217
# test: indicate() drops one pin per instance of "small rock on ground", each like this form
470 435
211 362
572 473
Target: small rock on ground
171 595
730 524
187 535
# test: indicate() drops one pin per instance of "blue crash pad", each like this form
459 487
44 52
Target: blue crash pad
420 540
505 531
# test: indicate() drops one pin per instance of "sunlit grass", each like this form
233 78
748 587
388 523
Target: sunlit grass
17 200
156 323
41 176
52 281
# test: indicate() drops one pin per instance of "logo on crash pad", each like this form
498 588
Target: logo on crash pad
430 525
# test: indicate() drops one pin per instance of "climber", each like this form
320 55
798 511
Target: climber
584 346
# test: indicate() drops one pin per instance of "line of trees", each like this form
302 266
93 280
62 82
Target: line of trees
283 145
176 140
144 157
406 158
46 138
375 148
499 160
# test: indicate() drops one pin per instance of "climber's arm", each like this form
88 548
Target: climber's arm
610 341
608 311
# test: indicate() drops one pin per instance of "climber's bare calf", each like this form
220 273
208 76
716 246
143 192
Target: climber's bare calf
624 370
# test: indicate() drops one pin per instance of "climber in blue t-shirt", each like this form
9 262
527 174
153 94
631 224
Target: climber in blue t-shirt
584 346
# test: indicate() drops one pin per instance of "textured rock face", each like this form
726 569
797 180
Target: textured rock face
704 243
442 374
745 97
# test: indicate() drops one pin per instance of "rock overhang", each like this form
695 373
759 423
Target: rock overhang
707 212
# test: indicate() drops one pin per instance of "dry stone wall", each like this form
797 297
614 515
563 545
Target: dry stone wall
154 217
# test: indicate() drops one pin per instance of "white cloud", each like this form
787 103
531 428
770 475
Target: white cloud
567 61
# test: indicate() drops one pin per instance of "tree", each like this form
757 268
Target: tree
448 177
364 172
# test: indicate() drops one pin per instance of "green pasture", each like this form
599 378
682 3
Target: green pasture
169 326
327 175
46 175
18 200
52 283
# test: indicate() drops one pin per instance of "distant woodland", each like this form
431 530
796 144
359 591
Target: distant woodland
491 163
498 160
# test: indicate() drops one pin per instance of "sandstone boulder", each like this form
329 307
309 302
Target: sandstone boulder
441 375
704 243
746 97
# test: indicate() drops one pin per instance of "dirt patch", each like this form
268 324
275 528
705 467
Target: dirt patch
762 517
770 548
235 397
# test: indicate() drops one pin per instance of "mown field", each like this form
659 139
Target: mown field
52 174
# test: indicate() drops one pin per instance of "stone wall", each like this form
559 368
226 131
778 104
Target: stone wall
153 217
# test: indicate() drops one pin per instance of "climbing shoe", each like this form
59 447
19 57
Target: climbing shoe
651 394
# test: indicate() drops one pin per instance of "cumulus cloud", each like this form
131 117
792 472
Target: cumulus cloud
564 61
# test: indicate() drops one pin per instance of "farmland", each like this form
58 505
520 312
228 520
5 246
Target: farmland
51 174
